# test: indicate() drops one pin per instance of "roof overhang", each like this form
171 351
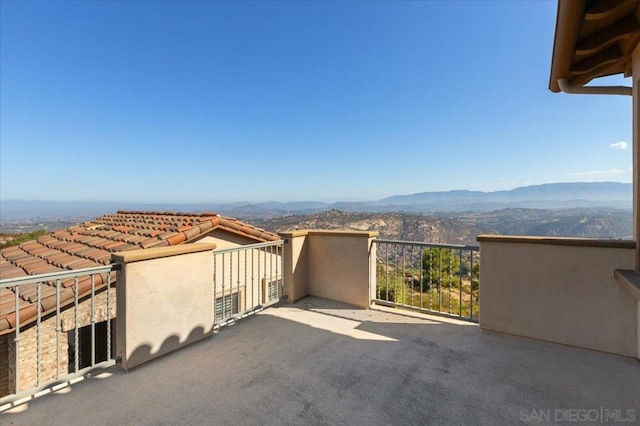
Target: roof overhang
594 38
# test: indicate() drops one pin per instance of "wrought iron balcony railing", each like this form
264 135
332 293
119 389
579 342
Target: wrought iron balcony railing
435 278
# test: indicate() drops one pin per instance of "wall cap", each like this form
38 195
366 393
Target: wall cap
630 280
293 234
327 233
557 241
130 256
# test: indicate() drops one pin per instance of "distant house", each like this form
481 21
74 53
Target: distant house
87 245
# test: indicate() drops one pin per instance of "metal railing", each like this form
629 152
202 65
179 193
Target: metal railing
60 329
246 279
435 278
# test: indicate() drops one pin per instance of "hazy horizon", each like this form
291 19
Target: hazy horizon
292 201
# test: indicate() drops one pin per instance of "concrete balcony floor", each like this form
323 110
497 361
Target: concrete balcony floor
321 362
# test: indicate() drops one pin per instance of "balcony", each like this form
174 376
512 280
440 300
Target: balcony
329 353
323 362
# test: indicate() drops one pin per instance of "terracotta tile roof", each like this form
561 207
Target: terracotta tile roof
91 243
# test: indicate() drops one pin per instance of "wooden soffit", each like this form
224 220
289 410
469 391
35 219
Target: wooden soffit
594 38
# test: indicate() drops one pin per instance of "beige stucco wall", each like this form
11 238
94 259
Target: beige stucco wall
223 239
562 293
165 300
335 265
295 265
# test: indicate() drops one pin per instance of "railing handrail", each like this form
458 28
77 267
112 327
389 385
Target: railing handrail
424 244
249 247
72 273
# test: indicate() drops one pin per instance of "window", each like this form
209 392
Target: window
226 306
272 290
84 345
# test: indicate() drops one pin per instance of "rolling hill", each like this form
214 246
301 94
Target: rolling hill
465 227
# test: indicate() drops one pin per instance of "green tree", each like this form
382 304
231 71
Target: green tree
440 266
391 285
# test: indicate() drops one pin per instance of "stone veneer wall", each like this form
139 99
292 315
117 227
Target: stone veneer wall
29 345
4 364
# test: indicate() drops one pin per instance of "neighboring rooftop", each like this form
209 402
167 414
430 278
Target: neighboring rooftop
323 362
91 243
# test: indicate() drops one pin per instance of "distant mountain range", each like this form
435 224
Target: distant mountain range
596 191
547 196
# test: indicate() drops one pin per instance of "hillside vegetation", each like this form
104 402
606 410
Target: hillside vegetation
463 228
7 240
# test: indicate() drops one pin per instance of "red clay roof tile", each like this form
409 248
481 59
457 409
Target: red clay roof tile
40 268
85 263
90 244
150 242
192 232
13 272
124 247
28 311
31 295
9 307
112 245
205 226
177 239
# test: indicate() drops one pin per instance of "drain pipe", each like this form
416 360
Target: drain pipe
594 90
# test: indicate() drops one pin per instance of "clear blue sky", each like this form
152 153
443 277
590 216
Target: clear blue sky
161 101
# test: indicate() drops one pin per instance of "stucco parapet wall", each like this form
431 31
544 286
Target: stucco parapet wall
160 252
557 241
327 233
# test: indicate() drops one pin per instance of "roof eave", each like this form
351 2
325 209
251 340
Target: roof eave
568 21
